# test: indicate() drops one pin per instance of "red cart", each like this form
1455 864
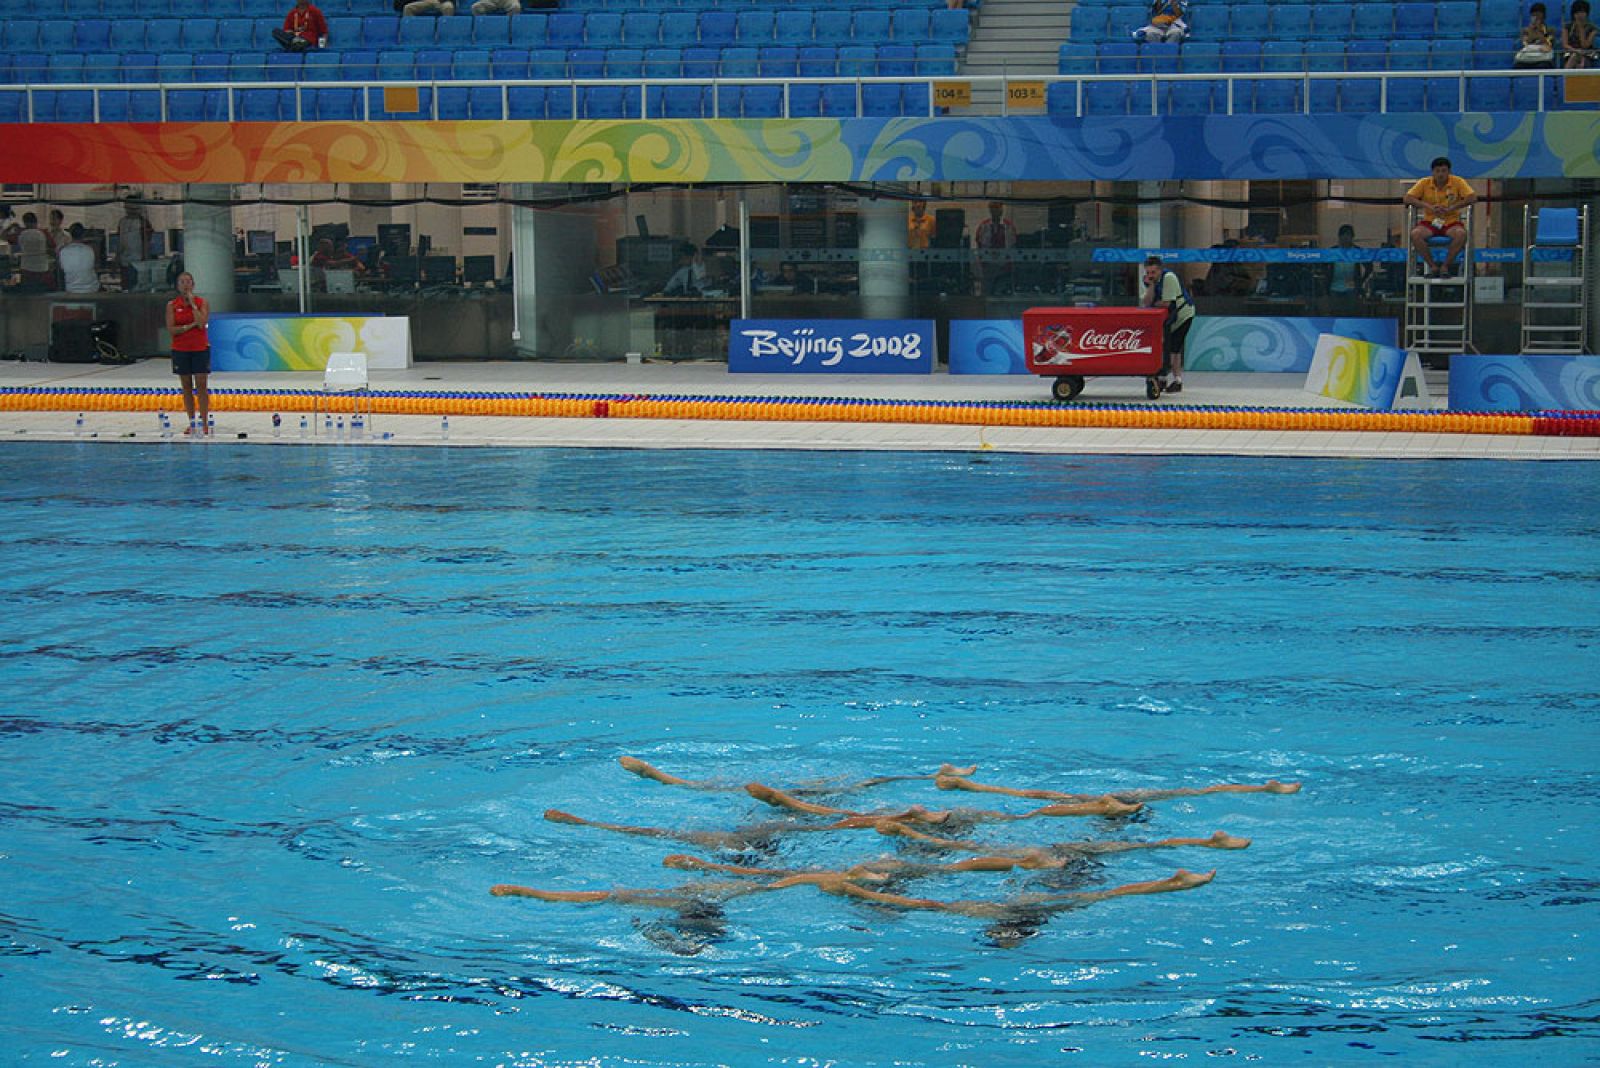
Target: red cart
1071 344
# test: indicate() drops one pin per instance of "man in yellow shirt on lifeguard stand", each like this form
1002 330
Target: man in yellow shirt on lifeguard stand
1440 197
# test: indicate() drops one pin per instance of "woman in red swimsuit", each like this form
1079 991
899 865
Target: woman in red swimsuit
187 316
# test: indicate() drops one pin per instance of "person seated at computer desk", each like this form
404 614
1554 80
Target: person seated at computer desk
336 256
689 280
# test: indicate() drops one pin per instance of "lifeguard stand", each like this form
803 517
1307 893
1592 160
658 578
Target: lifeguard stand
1555 280
1439 310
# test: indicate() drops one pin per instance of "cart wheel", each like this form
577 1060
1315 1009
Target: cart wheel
1152 387
1067 387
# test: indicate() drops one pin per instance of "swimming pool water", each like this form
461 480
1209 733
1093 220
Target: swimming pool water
274 721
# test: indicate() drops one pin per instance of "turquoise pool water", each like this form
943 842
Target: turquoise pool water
274 721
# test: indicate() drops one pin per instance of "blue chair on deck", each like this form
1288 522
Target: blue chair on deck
1412 20
586 63
1283 57
683 101
452 103
323 65
102 68
1105 98
360 66
702 63
839 100
1488 93
547 63
763 101
805 101
473 65
163 35
1250 20
138 68
880 100
739 62
935 59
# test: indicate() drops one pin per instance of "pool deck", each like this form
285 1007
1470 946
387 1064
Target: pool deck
1269 391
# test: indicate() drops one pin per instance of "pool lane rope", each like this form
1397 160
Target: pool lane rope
812 410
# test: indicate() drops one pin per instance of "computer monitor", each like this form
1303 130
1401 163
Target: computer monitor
340 281
158 245
439 270
424 244
175 241
477 270
360 246
402 268
260 243
395 239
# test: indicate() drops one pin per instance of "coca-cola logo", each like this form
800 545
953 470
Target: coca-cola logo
1125 340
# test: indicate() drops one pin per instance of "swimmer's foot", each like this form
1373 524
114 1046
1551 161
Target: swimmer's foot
579 896
1273 786
960 773
1224 840
555 815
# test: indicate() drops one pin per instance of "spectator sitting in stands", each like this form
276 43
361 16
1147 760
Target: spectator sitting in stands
303 28
1578 37
429 7
497 7
1168 22
1538 44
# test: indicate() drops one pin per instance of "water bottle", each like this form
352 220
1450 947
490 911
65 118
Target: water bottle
211 424
77 429
327 423
340 428
166 425
358 429
277 421
444 427
304 427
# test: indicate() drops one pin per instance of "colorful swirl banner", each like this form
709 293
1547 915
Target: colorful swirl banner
1283 343
303 342
1349 369
986 347
1524 383
943 148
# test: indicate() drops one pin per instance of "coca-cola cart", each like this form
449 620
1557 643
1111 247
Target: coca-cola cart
1071 344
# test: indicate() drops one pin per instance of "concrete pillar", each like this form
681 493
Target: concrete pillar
524 281
885 272
208 243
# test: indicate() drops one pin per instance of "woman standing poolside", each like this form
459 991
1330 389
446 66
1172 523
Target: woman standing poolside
187 316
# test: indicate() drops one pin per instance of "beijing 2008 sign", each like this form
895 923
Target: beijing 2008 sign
831 346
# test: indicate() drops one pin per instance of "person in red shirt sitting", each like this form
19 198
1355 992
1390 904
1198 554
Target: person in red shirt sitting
303 28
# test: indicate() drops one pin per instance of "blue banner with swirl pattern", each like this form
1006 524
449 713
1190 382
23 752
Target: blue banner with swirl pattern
986 347
1269 343
1524 383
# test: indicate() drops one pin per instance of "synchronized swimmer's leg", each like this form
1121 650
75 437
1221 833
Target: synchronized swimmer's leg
1181 880
650 771
1271 786
727 840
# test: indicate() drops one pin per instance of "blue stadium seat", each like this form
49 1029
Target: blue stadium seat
102 68
717 27
55 36
452 101
1280 56
1366 55
125 105
951 25
1191 98
727 101
397 66
805 101
1410 19
1375 18
238 35
1105 98
739 62
858 61
484 104
125 35
139 68
608 102
65 68
880 99
909 24
247 67
379 31
1408 54
531 30
151 9
1075 57
419 31
641 29
754 26
1359 96
602 29
30 68
586 63
1241 57
336 105
1242 96
525 102
74 105
793 27
1119 57
1088 25
1201 57
491 32
832 29
257 105
198 35
188 8
680 29
323 65
1456 17
818 61
1061 98
869 26
472 65
174 68
1524 93
1250 20
1492 53
1291 22
779 61
22 35
1407 95
13 107
434 64
701 63
359 65
509 64
1123 19
1488 94
663 63
897 60
547 63
343 32
80 9
197 105
1331 22
763 101
937 59
1443 94
1502 18
1276 97
1450 53
284 66
163 35
1325 94
1161 57
625 63
839 100
564 29
92 35
560 102
683 101
454 32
